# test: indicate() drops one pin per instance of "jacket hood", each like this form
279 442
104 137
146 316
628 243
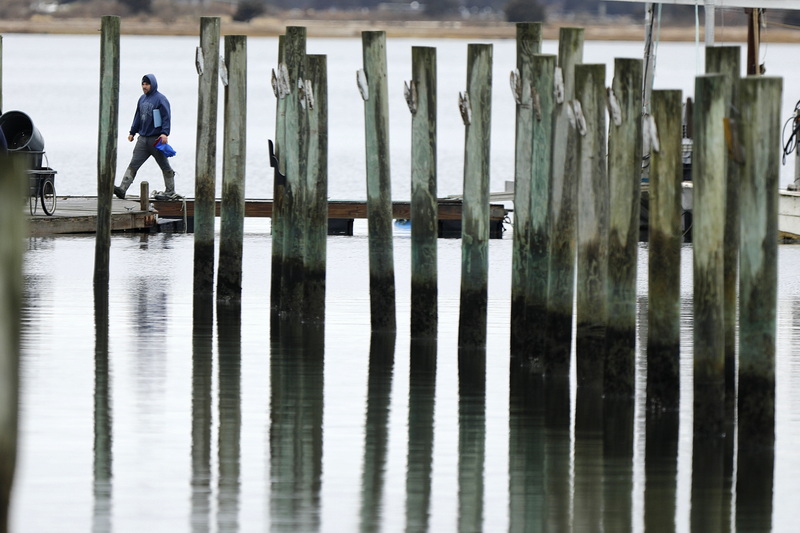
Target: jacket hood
153 82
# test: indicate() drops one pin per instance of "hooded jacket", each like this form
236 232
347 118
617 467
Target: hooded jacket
152 112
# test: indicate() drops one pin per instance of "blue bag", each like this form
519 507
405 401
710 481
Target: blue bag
164 147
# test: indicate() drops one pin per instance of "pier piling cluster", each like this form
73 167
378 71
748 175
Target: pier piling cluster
578 180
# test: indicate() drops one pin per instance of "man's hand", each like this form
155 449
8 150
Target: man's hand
163 138
130 138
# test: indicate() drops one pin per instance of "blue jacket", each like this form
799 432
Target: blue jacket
151 106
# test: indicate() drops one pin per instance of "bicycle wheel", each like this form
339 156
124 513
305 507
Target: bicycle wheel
48 195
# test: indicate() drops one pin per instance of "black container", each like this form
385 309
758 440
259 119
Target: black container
22 136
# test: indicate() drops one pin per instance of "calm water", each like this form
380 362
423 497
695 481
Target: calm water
165 422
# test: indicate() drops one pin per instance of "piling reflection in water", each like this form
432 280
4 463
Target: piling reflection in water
558 453
101 520
229 339
202 354
471 437
526 438
376 428
421 408
589 486
296 409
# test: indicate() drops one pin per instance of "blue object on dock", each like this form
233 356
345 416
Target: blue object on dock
164 147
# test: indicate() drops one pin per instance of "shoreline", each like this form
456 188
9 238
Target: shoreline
272 27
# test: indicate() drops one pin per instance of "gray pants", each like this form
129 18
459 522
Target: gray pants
144 148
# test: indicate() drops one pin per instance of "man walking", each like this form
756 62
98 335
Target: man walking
152 123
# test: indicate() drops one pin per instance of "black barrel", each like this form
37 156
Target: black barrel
22 136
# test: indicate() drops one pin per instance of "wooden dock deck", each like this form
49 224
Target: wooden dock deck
78 214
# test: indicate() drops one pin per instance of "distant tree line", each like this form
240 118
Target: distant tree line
513 10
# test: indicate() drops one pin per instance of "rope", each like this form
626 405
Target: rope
790 145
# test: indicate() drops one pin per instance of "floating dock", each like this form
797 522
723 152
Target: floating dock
78 214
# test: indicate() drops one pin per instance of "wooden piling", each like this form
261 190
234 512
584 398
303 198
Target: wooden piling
476 112
144 196
278 161
375 91
592 227
563 199
760 104
664 255
759 131
536 275
726 60
13 230
205 187
316 106
229 274
106 144
529 42
424 206
1 73
709 235
624 179
295 152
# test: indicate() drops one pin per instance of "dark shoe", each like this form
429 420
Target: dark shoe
167 196
119 192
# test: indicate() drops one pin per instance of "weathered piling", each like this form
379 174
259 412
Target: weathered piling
205 187
106 144
280 87
373 84
710 466
760 108
624 180
1 73
295 153
144 196
529 42
664 254
476 111
563 199
421 97
709 235
376 428
229 273
592 227
536 277
13 229
421 424
663 312
726 60
316 105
